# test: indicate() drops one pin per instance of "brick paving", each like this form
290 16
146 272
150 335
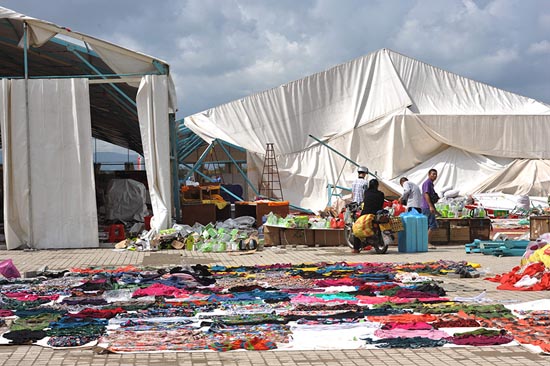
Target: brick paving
63 259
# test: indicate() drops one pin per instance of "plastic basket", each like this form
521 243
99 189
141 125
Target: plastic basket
396 224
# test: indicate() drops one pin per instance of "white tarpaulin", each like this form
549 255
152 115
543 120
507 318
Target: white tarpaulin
156 98
125 200
58 157
120 59
386 111
153 104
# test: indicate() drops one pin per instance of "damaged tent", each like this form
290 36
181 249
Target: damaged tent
396 115
54 96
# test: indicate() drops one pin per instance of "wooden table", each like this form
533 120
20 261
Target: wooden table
461 230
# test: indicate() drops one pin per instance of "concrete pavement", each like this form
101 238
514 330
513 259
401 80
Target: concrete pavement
63 259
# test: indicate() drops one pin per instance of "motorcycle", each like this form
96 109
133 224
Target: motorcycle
379 241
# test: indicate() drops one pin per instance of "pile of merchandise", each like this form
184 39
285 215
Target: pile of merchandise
230 235
279 306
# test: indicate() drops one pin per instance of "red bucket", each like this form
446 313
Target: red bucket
147 222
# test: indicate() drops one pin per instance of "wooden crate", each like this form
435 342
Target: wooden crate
538 225
264 209
329 237
441 234
272 235
291 236
224 213
459 233
481 233
258 210
202 213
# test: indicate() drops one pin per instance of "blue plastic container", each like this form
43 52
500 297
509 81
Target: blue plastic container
406 239
421 232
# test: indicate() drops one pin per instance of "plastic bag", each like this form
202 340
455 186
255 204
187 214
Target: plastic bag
398 208
8 269
362 227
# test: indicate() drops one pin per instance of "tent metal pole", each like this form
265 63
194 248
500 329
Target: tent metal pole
30 242
334 150
221 143
131 77
199 162
94 69
221 187
174 163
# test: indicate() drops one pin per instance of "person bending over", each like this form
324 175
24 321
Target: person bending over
412 197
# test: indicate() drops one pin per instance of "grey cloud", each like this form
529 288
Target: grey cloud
221 50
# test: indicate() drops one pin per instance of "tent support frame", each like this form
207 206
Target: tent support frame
224 144
30 242
174 164
331 188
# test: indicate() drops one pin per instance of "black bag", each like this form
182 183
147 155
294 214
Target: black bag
434 198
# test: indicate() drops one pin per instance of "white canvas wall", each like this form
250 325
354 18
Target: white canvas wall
56 151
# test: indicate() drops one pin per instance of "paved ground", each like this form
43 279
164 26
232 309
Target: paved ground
62 259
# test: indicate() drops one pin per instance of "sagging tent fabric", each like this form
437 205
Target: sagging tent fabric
76 230
154 99
56 149
389 112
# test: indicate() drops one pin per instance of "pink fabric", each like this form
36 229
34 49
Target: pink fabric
339 282
407 326
404 333
159 289
26 296
303 299
381 299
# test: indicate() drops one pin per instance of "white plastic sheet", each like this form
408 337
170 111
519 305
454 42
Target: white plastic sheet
153 104
61 188
388 112
125 200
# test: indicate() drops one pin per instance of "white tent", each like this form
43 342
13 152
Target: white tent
394 114
46 124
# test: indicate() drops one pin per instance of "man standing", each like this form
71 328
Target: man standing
429 198
412 197
359 185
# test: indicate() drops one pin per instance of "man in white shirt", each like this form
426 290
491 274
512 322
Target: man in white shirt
412 196
359 185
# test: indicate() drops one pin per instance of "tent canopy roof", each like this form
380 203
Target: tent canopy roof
114 115
388 112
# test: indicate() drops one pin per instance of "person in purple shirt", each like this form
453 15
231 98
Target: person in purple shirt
428 204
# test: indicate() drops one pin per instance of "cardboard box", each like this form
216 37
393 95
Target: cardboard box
202 213
272 235
296 236
538 225
329 237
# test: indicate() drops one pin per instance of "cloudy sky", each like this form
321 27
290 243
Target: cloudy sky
221 50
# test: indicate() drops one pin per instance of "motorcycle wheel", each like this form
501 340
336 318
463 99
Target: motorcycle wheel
380 247
348 235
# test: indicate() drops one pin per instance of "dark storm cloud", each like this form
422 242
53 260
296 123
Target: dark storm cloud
221 50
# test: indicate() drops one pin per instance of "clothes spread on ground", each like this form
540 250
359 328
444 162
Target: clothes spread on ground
220 308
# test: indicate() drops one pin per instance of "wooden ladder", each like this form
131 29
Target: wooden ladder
270 186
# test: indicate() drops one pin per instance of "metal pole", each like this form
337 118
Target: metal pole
94 69
199 162
27 121
221 143
175 164
336 151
